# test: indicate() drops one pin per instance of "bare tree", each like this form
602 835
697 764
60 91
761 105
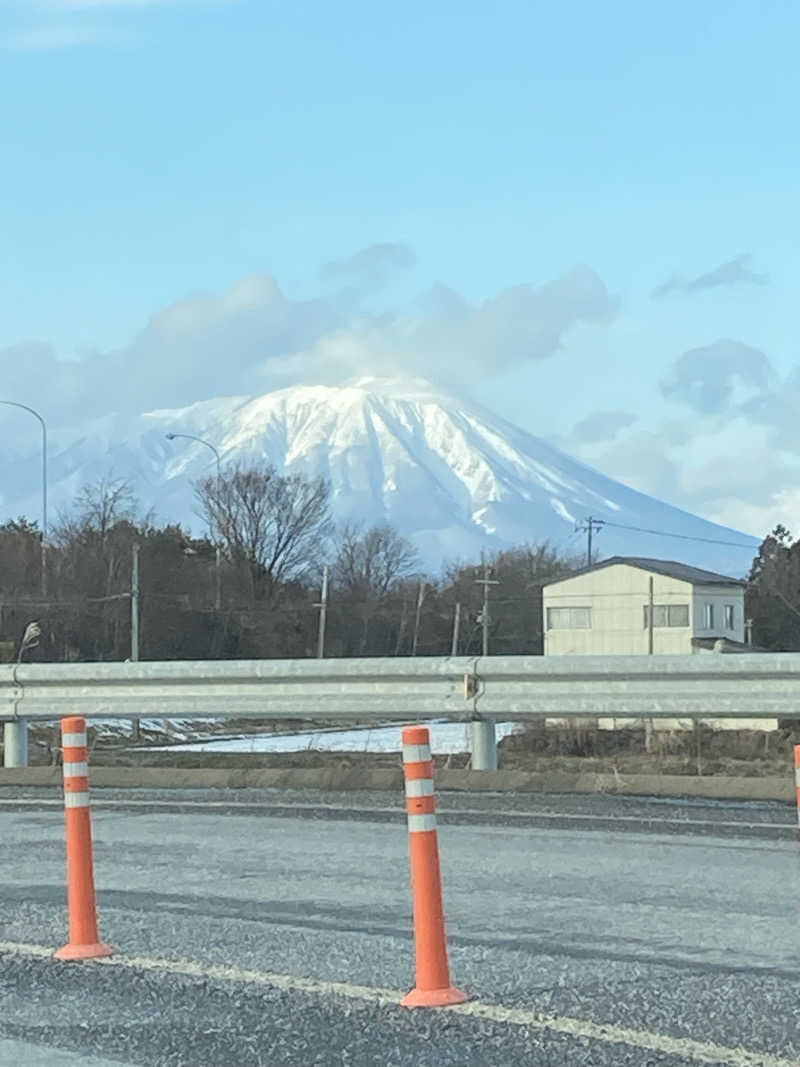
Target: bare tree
369 563
92 563
274 524
100 506
96 510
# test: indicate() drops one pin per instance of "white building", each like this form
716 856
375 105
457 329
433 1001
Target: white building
605 609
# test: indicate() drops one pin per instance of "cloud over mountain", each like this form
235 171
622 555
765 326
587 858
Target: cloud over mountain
253 337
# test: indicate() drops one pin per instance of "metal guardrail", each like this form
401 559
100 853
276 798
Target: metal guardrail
459 688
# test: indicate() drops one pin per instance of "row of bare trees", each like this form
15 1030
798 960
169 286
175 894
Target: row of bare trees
270 536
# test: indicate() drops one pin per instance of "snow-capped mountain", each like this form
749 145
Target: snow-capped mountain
442 470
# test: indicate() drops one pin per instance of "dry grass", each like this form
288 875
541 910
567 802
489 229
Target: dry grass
572 749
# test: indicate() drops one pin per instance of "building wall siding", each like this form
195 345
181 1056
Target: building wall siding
703 595
618 596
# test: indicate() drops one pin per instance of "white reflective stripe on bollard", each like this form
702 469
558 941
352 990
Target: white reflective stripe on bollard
76 800
416 753
797 777
419 787
416 823
76 770
73 740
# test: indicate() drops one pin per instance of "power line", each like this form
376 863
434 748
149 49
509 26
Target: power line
683 537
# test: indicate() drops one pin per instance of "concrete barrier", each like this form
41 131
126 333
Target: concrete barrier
335 778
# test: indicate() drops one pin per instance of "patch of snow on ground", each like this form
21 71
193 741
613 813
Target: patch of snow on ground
446 738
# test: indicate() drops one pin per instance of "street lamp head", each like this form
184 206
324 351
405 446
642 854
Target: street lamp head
170 436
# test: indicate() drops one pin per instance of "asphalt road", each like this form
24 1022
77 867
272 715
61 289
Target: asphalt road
276 929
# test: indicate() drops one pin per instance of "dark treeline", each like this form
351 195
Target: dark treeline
252 587
773 593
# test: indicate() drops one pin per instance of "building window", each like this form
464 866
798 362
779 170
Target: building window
569 618
708 616
667 615
730 617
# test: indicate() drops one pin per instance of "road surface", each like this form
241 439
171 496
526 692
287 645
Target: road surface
276 929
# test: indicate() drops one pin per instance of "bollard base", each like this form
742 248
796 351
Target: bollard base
434 998
84 952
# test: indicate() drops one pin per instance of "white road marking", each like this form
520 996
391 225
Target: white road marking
608 1033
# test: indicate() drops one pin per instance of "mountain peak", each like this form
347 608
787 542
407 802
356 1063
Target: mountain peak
444 471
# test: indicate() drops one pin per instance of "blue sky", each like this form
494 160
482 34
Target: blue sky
492 194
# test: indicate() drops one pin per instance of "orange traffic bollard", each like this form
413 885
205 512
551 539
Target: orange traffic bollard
433 989
84 940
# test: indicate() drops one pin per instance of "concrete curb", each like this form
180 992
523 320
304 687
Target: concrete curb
661 785
388 779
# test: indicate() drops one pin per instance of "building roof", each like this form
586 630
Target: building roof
670 568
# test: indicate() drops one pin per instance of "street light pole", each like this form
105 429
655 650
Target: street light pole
135 617
218 554
35 413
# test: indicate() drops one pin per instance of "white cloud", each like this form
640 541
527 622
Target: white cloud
736 271
253 338
781 509
371 264
53 25
55 37
99 5
725 467
715 377
602 426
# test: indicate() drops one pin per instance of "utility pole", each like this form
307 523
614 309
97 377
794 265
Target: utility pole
135 621
323 614
456 629
401 629
589 526
218 579
485 581
483 737
417 617
135 606
648 722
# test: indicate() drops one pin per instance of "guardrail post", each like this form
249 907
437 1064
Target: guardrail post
433 988
483 745
15 744
84 940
